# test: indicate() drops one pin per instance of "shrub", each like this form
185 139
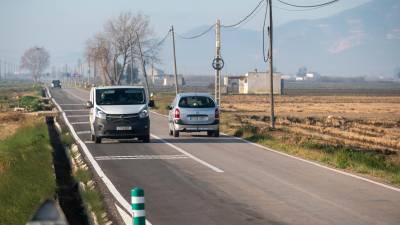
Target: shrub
31 103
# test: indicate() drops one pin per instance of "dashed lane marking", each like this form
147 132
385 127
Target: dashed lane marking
73 116
71 104
83 132
76 123
76 110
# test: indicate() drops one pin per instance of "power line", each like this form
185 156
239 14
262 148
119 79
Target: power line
308 6
298 9
159 43
246 17
197 35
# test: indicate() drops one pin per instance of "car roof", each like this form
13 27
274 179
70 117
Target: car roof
195 94
118 87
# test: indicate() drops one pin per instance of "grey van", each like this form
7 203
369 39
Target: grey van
193 112
119 112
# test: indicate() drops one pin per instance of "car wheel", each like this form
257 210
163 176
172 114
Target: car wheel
97 140
216 133
175 133
92 137
145 139
170 132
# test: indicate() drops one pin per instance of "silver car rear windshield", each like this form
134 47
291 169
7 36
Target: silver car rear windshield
196 102
120 96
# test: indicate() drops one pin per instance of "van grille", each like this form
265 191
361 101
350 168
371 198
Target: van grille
123 118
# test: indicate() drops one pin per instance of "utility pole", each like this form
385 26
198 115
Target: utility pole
0 70
217 91
271 72
143 65
94 71
89 69
131 72
175 69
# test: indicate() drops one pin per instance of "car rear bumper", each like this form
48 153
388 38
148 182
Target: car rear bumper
196 128
110 129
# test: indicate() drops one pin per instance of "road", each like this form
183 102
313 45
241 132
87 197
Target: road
199 180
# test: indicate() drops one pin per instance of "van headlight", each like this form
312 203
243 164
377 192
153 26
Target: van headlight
100 114
144 114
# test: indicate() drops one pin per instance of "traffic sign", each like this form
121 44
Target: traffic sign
218 63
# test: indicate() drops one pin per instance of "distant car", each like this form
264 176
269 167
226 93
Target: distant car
56 84
193 112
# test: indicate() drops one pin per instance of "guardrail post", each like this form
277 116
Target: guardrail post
138 211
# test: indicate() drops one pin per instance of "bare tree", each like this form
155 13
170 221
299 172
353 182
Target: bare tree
116 47
36 60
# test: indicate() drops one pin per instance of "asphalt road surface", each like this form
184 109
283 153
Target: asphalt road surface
199 180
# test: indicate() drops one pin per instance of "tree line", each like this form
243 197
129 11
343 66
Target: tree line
116 50
119 46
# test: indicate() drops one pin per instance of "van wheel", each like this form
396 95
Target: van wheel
145 139
97 140
175 133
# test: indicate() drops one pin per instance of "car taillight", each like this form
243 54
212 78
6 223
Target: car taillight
177 114
216 113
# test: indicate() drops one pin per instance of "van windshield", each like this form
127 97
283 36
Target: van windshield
120 96
196 102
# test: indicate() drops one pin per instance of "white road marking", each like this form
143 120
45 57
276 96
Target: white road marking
142 157
216 169
76 123
83 132
113 190
307 161
71 104
76 110
126 217
74 116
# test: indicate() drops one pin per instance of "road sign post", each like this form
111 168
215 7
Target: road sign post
217 91
138 210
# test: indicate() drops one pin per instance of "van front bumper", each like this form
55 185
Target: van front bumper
121 128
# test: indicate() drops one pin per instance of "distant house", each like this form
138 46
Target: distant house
253 83
159 78
311 76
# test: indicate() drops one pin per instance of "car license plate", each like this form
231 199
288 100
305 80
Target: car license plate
198 118
124 128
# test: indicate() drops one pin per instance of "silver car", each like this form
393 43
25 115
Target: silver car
193 112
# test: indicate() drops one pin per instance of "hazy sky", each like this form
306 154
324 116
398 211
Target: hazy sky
63 26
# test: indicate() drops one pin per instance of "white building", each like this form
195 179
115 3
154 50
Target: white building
253 83
159 78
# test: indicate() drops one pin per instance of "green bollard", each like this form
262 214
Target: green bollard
139 213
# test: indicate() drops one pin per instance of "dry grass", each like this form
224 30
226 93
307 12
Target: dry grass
365 122
9 123
353 107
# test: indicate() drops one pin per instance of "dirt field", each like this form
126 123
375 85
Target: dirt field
365 122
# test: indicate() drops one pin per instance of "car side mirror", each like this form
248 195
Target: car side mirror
89 104
151 103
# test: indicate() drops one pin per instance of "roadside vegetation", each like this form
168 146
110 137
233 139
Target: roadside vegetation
26 172
91 196
26 167
354 133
